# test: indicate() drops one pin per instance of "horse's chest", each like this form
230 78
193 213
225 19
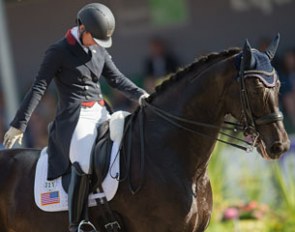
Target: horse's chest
183 209
193 206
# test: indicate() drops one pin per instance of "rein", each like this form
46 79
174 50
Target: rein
175 120
128 134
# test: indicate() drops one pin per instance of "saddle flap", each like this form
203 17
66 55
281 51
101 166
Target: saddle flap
101 155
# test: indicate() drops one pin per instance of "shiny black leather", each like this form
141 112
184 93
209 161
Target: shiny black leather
78 197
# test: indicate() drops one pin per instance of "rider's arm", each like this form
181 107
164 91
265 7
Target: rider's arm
117 80
49 67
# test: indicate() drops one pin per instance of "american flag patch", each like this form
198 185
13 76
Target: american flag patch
50 198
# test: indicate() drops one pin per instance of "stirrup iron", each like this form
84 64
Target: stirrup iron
86 223
112 226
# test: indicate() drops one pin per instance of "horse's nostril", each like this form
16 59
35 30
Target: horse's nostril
277 148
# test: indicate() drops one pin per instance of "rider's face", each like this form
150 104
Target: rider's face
86 37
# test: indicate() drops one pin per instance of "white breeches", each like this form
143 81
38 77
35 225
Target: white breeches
85 133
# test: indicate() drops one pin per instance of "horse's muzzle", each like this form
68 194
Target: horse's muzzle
278 148
275 151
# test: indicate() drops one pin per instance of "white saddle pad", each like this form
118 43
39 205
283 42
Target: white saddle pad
50 195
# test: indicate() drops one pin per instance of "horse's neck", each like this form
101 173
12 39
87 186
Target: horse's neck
200 100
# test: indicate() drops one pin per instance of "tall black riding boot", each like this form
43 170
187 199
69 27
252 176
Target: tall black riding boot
78 197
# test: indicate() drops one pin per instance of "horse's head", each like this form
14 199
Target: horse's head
258 110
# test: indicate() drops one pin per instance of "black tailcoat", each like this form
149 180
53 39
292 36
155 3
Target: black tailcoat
76 75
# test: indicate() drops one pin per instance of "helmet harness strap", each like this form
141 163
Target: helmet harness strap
81 32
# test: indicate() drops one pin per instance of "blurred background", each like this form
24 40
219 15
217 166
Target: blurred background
152 39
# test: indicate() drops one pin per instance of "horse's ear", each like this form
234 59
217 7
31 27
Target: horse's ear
271 50
249 61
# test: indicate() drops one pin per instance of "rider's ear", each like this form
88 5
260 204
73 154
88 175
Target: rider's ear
271 50
249 61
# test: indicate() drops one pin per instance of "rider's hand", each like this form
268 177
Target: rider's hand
143 96
11 136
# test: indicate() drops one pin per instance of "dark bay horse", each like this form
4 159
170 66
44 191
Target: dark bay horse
176 129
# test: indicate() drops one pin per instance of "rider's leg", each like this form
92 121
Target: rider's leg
80 151
78 197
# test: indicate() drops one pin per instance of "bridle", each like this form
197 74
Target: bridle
250 122
247 125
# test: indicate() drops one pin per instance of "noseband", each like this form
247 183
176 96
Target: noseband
248 124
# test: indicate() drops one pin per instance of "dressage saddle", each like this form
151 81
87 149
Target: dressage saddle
100 159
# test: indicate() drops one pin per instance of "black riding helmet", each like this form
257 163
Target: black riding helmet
99 21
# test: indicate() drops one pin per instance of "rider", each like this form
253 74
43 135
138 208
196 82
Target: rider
75 63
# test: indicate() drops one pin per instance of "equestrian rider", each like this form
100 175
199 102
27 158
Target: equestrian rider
75 63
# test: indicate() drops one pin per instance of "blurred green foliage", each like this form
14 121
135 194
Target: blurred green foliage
281 190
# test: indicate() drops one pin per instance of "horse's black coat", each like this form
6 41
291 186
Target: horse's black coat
176 193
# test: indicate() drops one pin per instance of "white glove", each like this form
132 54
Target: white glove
143 96
11 136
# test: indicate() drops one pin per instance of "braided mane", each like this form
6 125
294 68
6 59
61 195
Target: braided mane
206 60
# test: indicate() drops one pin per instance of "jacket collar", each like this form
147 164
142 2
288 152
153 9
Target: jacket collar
88 60
70 38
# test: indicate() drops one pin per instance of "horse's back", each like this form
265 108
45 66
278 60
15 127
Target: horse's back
17 171
15 162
